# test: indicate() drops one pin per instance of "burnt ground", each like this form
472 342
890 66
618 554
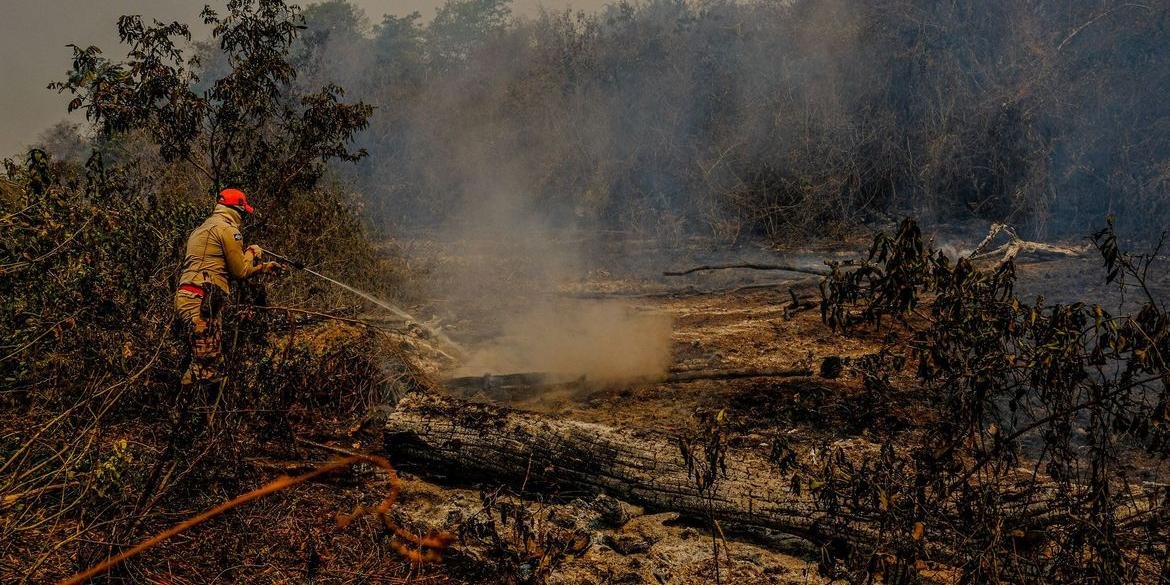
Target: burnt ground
738 318
725 320
719 320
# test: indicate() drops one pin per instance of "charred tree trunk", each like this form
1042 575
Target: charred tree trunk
494 444
498 444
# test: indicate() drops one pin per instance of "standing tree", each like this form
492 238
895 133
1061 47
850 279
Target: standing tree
246 128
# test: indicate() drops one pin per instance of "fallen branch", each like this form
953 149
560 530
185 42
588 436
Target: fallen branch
689 291
1017 245
518 385
11 499
433 544
749 266
799 304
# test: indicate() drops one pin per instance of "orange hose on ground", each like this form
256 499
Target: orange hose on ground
435 541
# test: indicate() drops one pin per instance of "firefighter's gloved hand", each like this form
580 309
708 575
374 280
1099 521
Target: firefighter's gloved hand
272 268
257 251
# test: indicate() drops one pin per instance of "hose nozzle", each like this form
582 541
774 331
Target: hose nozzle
294 263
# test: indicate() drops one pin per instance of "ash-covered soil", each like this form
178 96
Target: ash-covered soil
719 320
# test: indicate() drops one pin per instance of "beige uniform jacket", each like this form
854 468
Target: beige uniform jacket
215 252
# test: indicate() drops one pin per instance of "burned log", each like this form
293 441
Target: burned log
491 443
511 382
690 291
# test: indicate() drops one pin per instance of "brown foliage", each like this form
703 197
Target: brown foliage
1050 420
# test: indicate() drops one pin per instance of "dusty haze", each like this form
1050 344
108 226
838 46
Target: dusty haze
601 340
34 35
510 265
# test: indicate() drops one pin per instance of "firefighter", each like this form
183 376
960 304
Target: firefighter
216 256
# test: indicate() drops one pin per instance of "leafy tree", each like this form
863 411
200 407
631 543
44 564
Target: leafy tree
462 26
398 48
333 21
242 129
333 48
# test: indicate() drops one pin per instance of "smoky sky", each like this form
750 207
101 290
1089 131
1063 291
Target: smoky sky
34 35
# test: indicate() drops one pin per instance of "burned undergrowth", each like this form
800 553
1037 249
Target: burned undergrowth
100 446
1028 471
826 407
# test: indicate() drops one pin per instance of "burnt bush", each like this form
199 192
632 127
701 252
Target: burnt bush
1042 464
509 540
97 438
99 445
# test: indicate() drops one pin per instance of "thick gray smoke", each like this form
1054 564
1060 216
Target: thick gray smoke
744 119
507 262
767 118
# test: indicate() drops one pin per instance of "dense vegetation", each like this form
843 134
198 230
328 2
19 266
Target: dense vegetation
760 117
95 428
97 244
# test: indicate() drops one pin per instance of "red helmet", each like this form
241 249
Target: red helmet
234 198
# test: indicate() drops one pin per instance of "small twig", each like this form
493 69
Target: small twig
329 448
1088 23
22 265
47 331
16 213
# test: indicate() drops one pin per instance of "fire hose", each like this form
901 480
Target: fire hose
459 351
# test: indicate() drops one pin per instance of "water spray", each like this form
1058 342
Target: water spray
460 352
